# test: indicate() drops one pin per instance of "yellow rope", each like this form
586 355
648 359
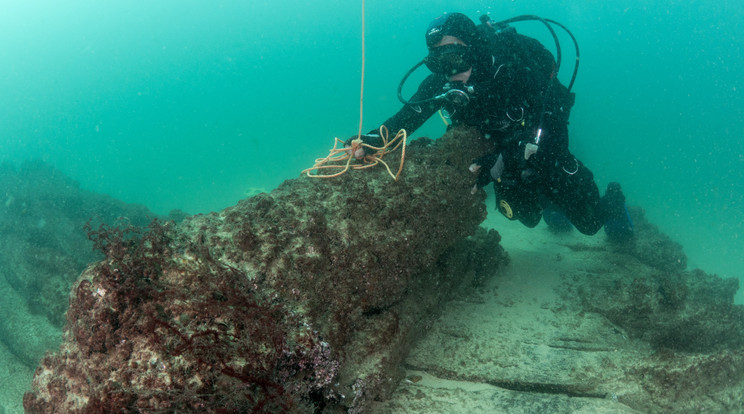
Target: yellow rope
339 155
341 158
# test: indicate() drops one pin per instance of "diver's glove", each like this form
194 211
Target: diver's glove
370 139
487 168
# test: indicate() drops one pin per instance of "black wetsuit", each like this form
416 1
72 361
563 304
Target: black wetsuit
514 94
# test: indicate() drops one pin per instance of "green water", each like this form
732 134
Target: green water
194 105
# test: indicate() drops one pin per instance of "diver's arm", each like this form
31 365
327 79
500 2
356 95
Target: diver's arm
412 116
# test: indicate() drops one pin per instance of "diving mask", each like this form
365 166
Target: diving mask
449 59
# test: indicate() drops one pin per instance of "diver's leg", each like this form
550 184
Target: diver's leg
574 192
572 189
617 222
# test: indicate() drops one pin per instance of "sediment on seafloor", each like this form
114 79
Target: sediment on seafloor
575 324
303 299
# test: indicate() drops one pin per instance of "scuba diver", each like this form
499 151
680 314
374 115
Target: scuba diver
504 84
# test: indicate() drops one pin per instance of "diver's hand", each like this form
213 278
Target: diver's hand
487 168
359 151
